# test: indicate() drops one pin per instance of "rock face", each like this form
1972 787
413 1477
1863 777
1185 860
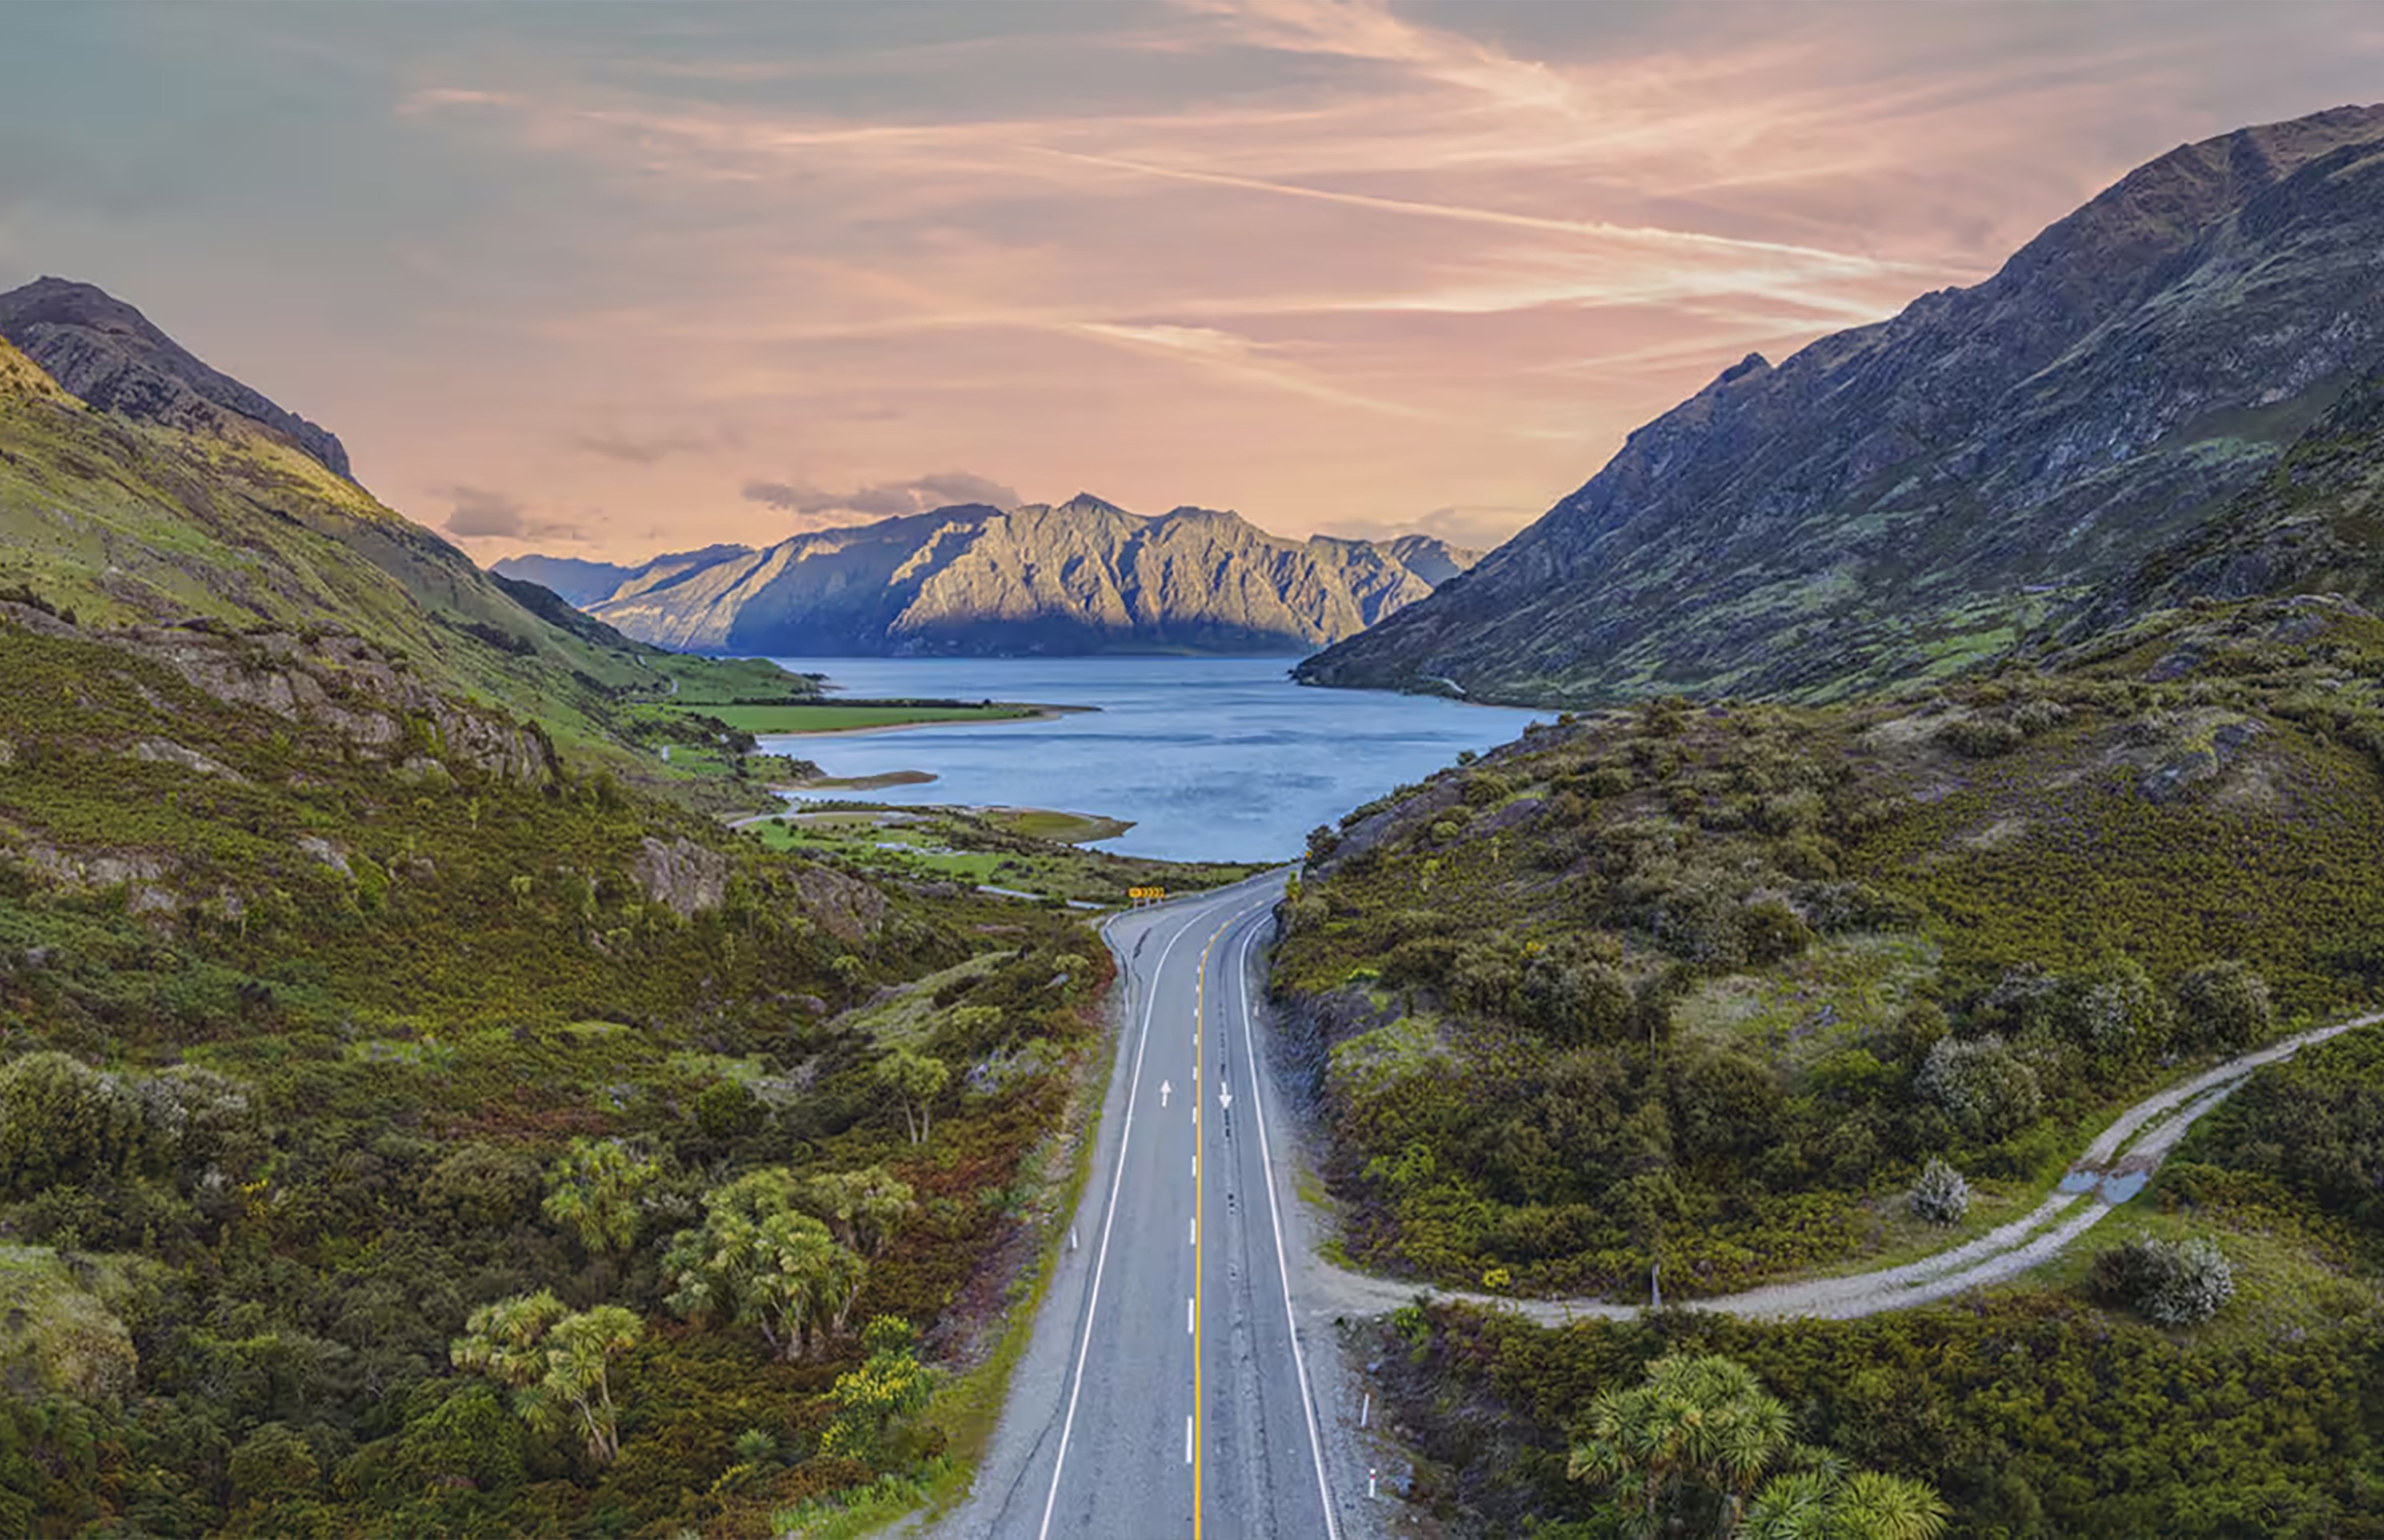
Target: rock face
2314 523
1900 499
101 349
681 875
338 686
1085 577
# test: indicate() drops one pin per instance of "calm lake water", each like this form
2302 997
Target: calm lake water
1213 758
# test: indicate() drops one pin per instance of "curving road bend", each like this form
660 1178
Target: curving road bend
1182 1377
1166 1389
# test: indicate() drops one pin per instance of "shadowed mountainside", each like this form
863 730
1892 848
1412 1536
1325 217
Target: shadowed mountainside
2310 525
103 350
585 582
1903 499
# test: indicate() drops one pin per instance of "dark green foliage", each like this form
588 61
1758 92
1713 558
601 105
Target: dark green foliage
2035 1416
61 1121
310 1046
2224 1006
1984 1086
2315 1123
2174 1283
1815 948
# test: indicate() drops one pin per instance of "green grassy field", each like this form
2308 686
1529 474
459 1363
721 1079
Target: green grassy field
836 717
730 681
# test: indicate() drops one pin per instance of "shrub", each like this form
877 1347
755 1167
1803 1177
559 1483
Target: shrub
1980 736
2113 1013
1580 1002
1485 790
2224 1006
1985 1087
1772 931
1941 1197
2174 1283
62 1121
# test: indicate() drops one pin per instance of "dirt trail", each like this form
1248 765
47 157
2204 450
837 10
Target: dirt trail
2114 1167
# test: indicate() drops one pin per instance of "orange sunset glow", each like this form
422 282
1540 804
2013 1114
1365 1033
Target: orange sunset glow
608 281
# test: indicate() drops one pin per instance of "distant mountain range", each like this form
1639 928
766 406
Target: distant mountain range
1083 576
2074 436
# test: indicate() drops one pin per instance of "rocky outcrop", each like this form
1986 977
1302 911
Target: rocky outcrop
845 907
2313 524
1902 497
681 875
103 350
1085 577
338 684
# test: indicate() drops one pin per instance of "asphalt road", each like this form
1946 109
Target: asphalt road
1165 1392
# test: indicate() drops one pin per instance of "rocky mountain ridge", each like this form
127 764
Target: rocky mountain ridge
1083 576
108 353
1905 498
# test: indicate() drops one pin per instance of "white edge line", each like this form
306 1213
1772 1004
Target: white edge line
1281 1267
1102 1257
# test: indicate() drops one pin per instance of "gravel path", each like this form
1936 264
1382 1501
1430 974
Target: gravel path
2114 1168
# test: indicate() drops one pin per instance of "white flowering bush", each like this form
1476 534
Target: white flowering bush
2174 1283
1941 1197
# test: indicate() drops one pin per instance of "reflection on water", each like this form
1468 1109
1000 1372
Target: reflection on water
1213 758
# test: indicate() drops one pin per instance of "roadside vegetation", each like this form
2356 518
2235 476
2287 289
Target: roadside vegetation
1747 992
1709 988
2213 1365
402 1131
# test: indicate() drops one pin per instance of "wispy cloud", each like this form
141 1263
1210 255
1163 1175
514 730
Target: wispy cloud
630 448
883 498
1307 257
480 512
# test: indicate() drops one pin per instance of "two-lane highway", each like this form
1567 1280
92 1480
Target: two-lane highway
1180 1401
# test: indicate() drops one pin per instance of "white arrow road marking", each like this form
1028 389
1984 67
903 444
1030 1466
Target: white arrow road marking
1225 1100
1166 1090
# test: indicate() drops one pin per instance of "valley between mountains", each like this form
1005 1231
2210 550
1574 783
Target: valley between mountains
1929 933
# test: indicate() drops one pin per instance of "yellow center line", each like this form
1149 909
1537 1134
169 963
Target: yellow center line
1199 1204
1199 1214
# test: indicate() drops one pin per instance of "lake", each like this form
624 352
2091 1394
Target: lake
1220 759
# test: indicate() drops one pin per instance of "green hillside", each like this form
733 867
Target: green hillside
307 1027
381 1014
120 523
1708 984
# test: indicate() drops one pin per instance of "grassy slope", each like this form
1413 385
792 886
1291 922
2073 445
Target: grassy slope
122 523
1733 1088
2038 1410
2042 1409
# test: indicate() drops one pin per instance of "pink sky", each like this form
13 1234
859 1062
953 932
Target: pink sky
604 281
